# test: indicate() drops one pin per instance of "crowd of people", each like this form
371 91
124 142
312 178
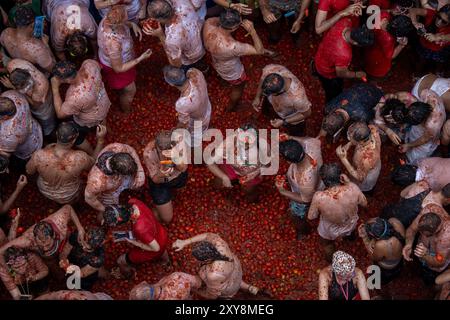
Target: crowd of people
54 103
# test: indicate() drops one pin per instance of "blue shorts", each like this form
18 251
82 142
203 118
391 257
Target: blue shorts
299 209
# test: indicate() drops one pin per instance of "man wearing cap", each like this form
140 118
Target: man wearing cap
60 166
226 51
288 97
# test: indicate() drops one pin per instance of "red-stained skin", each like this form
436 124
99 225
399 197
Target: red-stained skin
262 234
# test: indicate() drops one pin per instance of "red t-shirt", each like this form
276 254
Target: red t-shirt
378 57
334 51
334 6
147 228
429 20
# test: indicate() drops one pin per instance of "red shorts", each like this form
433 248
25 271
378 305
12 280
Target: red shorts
116 80
139 256
229 171
239 81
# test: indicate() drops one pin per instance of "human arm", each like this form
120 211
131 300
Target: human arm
298 22
101 134
324 283
322 24
257 43
153 246
437 260
361 284
179 245
5 206
101 4
425 138
409 238
119 66
445 135
344 72
240 7
314 211
402 42
369 244
268 16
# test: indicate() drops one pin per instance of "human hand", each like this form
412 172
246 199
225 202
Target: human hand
6 82
241 8
276 123
136 30
22 182
101 132
420 251
407 250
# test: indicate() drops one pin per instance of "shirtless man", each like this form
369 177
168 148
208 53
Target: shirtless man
384 240
20 133
47 237
433 248
426 119
163 178
337 207
236 165
226 51
175 286
117 168
86 99
305 156
193 106
366 165
74 295
288 97
20 43
60 167
432 82
28 80
221 270
179 32
135 8
66 25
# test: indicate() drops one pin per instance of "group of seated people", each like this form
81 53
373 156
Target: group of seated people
59 71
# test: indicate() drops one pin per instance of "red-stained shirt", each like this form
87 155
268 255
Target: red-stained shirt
334 51
378 57
333 6
147 228
429 20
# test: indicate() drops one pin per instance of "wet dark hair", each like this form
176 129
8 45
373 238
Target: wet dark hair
66 132
4 162
361 131
445 9
77 44
12 253
330 174
396 109
333 122
174 76
45 228
163 140
273 84
363 36
400 26
404 175
382 229
292 151
429 222
418 112
24 16
65 69
206 252
117 214
160 10
19 78
122 163
230 19
7 107
446 190
96 236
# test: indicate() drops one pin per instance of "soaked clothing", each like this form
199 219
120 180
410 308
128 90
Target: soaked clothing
87 100
406 210
347 291
434 171
114 44
133 9
177 286
48 6
358 101
21 135
63 24
440 86
433 125
46 115
294 100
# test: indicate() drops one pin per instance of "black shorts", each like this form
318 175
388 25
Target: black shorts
82 133
428 276
387 275
162 192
